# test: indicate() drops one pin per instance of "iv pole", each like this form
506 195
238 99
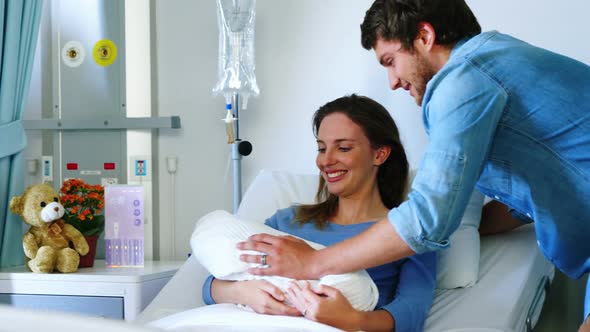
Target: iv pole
237 80
235 155
239 148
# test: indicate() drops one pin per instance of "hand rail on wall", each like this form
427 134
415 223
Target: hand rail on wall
172 122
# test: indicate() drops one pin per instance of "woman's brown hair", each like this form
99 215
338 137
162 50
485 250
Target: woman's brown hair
380 129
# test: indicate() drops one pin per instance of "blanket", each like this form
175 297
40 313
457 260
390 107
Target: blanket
214 242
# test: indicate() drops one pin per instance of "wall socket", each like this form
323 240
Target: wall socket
108 181
47 168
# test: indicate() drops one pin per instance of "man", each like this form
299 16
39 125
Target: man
508 118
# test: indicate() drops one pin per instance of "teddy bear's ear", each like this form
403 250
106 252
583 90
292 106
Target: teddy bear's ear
16 205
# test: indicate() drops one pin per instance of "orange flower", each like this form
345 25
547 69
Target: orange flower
93 195
83 203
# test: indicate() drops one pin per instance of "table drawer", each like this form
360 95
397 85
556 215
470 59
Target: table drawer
104 306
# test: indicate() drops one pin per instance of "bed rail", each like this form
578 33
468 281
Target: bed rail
534 310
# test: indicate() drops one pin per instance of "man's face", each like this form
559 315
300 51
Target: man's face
407 69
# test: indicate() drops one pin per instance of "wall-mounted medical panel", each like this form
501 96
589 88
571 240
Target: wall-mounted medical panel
95 87
98 163
89 85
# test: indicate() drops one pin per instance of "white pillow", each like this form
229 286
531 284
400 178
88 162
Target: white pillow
272 190
214 243
457 266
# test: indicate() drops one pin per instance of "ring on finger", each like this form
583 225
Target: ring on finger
263 259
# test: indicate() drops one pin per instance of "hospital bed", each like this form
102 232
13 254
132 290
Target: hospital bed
513 280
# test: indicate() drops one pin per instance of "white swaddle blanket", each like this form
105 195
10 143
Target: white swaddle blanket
214 245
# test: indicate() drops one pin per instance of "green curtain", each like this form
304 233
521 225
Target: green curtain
19 28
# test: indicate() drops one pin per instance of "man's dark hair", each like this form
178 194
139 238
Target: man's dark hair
398 20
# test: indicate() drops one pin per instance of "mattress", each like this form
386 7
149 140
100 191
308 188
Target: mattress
509 294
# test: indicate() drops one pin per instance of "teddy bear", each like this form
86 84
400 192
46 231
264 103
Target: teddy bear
47 242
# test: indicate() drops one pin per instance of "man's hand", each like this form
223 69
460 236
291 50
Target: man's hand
287 256
290 257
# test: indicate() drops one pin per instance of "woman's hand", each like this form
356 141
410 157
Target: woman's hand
325 305
260 295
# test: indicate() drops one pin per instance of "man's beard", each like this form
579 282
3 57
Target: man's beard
422 75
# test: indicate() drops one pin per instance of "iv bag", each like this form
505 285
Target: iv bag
235 20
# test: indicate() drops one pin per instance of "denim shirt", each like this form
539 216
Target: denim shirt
512 120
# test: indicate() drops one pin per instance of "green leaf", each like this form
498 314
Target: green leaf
86 227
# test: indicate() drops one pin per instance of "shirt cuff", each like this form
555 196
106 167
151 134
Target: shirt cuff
407 225
206 292
402 315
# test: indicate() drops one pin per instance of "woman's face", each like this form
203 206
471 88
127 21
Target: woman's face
345 157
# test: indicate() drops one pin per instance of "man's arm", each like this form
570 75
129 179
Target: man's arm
380 244
496 218
291 257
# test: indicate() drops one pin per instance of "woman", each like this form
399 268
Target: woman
364 171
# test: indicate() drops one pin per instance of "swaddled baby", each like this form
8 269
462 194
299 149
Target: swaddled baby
214 243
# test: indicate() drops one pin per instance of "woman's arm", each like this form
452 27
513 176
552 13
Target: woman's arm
407 311
496 218
260 295
415 292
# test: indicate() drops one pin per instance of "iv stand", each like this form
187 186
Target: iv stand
235 155
239 148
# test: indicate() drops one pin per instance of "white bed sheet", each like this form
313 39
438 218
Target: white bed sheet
511 271
230 317
29 320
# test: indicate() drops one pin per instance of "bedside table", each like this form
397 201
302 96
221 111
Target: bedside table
119 292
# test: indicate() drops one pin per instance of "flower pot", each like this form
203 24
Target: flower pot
88 259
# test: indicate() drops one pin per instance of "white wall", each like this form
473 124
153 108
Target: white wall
307 53
138 103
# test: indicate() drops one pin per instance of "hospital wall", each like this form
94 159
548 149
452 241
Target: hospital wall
307 53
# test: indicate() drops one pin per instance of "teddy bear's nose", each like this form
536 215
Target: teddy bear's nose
56 209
